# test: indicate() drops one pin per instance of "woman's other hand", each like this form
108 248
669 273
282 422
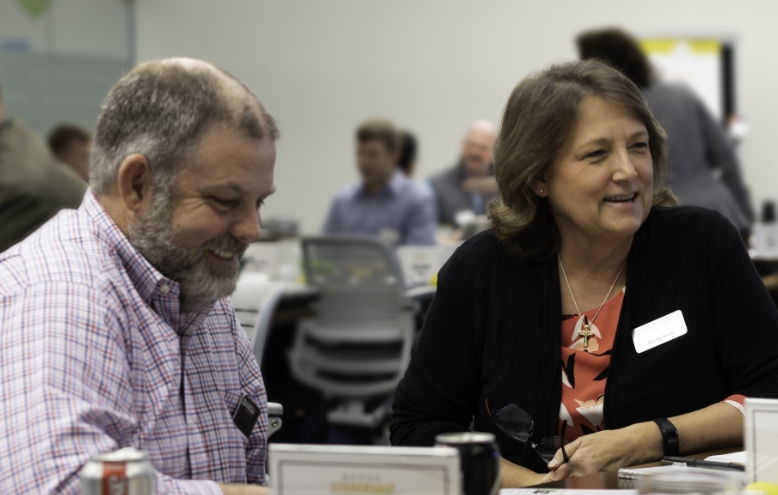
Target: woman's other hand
515 476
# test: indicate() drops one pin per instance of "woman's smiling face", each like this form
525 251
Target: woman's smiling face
600 185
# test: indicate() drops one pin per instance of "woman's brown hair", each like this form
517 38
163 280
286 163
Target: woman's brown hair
538 119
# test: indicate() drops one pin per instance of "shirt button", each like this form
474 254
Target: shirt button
192 423
164 288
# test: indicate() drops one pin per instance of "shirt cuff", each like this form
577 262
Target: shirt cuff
737 401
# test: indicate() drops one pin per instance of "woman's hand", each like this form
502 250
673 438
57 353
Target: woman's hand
715 427
609 450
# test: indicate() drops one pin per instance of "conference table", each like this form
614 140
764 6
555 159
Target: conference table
610 480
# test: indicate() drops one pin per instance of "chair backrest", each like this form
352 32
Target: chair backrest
263 321
254 300
359 343
351 262
359 278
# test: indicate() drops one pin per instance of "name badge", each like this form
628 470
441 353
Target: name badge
246 415
659 331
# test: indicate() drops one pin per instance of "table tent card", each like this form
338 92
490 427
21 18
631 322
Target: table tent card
355 470
761 435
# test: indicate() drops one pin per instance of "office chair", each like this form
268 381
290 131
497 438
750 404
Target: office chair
264 318
357 347
255 300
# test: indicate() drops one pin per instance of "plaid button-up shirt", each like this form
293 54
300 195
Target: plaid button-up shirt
95 356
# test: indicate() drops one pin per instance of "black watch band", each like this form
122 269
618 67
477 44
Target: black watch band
670 443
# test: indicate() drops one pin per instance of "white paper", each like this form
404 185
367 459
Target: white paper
659 331
635 473
563 491
736 457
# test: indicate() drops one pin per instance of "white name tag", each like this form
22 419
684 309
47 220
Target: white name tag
659 331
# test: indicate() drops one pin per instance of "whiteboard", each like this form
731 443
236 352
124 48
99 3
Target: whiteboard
696 62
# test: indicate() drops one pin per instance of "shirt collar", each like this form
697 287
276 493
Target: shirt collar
146 279
463 175
394 187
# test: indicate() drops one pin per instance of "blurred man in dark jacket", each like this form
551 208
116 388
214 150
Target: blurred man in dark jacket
469 185
71 145
33 186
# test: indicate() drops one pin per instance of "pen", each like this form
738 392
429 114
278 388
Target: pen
729 466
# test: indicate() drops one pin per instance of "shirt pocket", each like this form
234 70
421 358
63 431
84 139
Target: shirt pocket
231 400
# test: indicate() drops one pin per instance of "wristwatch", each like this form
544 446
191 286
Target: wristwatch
670 443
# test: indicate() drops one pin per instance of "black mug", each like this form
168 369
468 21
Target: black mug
479 458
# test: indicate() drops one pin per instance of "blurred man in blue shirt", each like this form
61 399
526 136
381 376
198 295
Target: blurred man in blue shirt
385 203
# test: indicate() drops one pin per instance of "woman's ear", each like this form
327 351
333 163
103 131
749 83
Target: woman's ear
539 186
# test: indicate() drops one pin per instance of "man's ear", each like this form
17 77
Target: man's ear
134 181
539 186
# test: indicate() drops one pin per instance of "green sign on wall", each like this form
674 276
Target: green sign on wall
34 8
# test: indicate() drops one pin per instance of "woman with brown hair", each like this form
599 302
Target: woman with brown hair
596 326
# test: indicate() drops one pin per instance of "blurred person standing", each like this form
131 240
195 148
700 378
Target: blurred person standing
33 186
385 203
71 145
698 148
469 185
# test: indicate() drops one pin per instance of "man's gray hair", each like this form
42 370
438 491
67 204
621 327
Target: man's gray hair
161 109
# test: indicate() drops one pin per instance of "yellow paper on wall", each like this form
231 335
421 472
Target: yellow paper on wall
704 46
658 45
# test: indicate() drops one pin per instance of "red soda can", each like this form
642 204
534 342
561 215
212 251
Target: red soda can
124 472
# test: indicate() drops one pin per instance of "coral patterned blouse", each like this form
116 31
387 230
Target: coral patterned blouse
584 372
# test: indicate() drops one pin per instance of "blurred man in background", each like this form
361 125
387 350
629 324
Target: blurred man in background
71 145
385 203
704 169
469 185
33 186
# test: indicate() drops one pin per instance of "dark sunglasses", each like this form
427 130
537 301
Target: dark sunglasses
519 425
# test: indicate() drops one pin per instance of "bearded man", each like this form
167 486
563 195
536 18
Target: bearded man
115 326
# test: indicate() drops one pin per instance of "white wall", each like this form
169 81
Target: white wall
72 27
433 66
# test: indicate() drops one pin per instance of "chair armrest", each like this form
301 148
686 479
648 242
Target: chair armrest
274 413
275 409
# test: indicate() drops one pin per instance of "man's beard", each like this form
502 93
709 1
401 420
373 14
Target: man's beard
201 283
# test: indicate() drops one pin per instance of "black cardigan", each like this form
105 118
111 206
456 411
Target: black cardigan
496 317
